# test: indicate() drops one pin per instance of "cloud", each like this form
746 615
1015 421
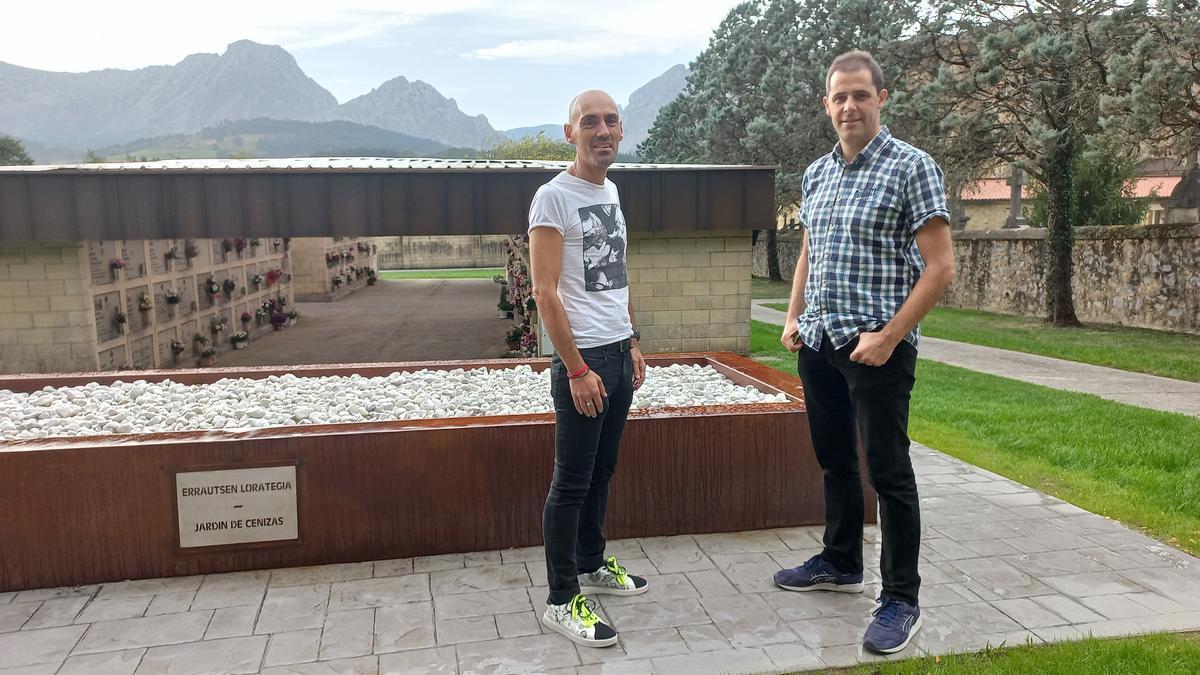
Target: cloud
628 27
79 36
569 51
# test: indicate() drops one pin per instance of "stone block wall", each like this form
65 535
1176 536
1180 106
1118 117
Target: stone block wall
45 319
1146 276
455 251
691 291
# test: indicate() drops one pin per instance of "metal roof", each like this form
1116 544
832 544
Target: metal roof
337 197
345 164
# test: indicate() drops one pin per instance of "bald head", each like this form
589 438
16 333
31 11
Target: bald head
588 100
595 131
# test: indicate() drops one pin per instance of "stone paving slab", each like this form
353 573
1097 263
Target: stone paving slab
1001 565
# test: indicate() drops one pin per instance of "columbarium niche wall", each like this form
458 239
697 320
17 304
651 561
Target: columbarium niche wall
104 305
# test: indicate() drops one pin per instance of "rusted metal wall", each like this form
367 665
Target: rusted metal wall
102 509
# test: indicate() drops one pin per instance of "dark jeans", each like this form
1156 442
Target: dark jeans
585 456
847 403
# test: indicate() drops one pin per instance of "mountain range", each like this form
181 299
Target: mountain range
193 103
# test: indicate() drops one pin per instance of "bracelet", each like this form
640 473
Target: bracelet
579 373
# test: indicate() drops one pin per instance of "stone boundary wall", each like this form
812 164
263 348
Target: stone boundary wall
1147 277
442 252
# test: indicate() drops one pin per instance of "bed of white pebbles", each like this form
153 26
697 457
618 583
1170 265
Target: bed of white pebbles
149 407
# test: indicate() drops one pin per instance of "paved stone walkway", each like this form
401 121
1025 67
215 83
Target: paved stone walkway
395 320
1002 565
1147 391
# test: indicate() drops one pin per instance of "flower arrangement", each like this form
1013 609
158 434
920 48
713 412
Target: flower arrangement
513 339
208 353
190 250
216 325
199 339
529 343
292 315
119 320
171 254
372 277
226 245
229 285
172 296
239 245
337 281
116 265
246 317
144 303
255 243
176 348
239 339
257 280
273 276
278 319
212 288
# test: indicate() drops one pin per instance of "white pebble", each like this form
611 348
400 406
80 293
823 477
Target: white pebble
239 403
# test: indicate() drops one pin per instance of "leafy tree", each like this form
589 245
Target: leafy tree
1104 192
754 95
1024 81
531 147
12 152
1155 86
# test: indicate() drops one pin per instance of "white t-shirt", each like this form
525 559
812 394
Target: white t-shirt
593 284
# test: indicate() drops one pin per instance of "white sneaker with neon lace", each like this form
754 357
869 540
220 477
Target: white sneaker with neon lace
612 579
579 623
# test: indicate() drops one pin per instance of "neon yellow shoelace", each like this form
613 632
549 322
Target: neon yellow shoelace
617 570
582 613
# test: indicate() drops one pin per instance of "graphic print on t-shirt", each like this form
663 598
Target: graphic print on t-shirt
603 247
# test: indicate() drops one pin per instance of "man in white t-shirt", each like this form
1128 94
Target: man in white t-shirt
577 250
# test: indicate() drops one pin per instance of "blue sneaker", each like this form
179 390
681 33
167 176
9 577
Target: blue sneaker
818 574
894 626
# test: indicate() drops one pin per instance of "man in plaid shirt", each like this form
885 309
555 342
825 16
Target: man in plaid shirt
877 256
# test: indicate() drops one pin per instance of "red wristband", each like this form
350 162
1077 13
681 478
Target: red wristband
579 373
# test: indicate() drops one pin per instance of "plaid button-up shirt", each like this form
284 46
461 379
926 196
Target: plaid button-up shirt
862 219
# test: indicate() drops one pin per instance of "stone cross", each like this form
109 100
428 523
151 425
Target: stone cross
1015 220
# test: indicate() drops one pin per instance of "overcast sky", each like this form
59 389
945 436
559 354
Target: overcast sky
517 61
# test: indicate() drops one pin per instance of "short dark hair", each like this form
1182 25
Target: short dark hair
854 61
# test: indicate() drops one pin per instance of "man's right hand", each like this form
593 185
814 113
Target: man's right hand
588 394
791 337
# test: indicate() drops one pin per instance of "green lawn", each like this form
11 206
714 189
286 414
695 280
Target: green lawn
1161 653
768 290
1137 350
1138 466
480 273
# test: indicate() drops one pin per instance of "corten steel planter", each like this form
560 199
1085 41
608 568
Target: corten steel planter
101 508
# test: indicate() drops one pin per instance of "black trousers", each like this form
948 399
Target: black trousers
585 456
849 403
